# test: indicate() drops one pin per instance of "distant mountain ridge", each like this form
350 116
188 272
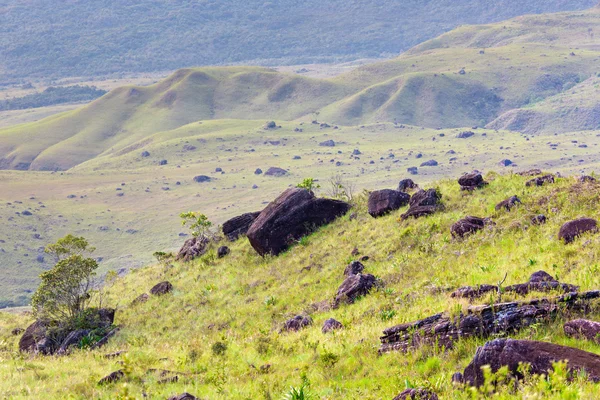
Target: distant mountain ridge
41 38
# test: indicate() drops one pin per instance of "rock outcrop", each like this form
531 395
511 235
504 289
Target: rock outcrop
573 229
237 226
583 329
423 203
353 287
467 226
192 248
294 214
384 201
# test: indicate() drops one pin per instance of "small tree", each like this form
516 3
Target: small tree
64 292
341 189
198 223
308 184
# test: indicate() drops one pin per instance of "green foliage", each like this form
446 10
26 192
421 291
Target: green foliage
64 291
162 257
308 184
198 224
219 348
299 393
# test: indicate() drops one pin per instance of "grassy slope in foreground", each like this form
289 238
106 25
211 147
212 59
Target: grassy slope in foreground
243 299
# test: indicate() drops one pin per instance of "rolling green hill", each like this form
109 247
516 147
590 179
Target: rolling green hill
80 38
470 76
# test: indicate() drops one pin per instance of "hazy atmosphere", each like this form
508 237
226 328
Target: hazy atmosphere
216 199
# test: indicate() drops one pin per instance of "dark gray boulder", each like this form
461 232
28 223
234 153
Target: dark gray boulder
331 325
276 171
467 226
417 394
508 204
297 323
384 201
192 248
161 288
406 184
353 287
583 329
355 267
238 226
292 215
202 179
572 229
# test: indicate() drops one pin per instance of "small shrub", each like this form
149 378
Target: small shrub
219 348
196 222
308 184
300 393
329 359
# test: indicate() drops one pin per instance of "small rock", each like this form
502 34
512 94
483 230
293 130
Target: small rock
276 171
412 170
508 204
430 163
353 287
406 184
354 268
183 396
258 171
506 162
384 201
465 135
162 162
112 377
142 298
222 251
297 323
416 394
539 181
538 219
583 329
327 143
202 178
331 325
572 229
145 154
161 288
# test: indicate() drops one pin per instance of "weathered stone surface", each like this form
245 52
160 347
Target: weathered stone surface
539 281
112 377
539 355
183 396
406 184
416 394
32 335
508 204
353 287
586 178
192 248
465 135
238 226
17 331
423 203
142 298
583 329
467 226
531 172
202 179
331 325
430 163
538 219
222 251
471 181
327 143
480 321
355 267
297 323
384 201
541 180
276 171
72 339
161 288
294 214
572 229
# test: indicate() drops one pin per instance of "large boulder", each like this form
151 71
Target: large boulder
331 325
32 335
423 203
276 171
583 329
72 339
161 288
292 215
467 226
384 201
192 248
353 287
471 181
572 229
539 355
465 135
238 226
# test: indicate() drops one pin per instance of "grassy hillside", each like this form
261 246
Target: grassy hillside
41 38
222 322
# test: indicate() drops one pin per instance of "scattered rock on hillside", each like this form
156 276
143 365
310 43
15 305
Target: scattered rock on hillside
331 325
276 171
327 143
539 181
538 219
17 331
257 171
161 288
412 170
583 329
145 154
32 335
471 181
183 396
292 215
112 377
192 248
530 172
72 339
297 323
572 229
270 125
586 178
353 287
466 226
202 179
508 204
423 203
417 394
506 162
538 355
142 298
222 251
238 226
406 184
355 267
384 201
465 135
430 163
356 152
162 162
